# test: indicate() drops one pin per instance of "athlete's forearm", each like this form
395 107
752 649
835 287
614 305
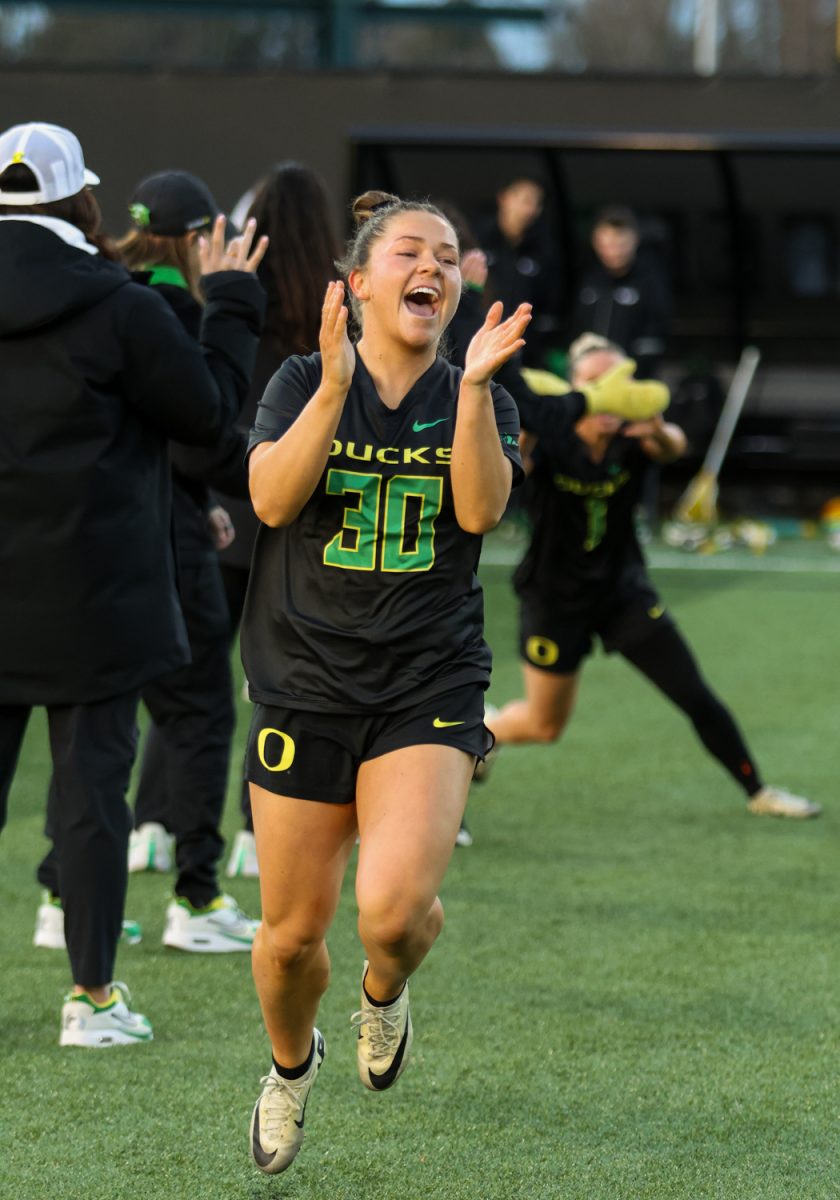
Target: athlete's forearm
283 474
666 444
480 473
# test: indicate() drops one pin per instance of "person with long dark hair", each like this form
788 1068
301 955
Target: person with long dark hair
96 375
292 209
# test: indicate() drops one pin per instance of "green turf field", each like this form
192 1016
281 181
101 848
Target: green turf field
636 994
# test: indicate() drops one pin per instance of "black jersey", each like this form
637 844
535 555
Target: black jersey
369 599
583 548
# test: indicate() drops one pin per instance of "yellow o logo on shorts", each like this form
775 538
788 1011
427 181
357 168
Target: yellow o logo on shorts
542 651
286 758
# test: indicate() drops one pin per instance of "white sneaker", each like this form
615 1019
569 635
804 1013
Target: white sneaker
243 857
85 1023
482 769
385 1037
776 802
277 1121
220 928
150 848
463 837
49 926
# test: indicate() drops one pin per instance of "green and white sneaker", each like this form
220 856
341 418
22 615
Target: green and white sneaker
49 926
150 848
385 1037
243 857
220 928
277 1121
776 802
86 1023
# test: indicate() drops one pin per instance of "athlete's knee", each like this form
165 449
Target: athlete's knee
288 947
394 922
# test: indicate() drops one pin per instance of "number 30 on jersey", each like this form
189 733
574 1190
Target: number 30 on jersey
394 533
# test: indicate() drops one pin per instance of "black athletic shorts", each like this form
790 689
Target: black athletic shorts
556 640
316 756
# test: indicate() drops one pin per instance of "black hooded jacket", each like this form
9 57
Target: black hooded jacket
96 374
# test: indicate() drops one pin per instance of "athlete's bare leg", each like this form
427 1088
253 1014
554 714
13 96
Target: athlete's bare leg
409 805
543 713
303 847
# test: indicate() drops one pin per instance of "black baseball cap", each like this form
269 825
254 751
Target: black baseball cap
172 203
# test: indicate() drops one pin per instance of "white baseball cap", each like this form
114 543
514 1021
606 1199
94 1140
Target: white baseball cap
52 154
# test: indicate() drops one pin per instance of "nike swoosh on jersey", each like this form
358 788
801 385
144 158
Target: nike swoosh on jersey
419 426
438 724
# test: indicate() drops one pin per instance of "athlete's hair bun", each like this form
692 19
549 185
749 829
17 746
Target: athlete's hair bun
366 206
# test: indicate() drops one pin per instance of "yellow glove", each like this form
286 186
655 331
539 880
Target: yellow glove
544 383
617 392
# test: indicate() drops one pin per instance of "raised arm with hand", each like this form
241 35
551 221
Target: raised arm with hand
283 474
192 392
480 473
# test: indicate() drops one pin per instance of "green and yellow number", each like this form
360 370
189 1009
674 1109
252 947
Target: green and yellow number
354 546
409 541
412 505
596 513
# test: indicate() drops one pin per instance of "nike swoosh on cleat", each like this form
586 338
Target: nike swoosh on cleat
303 1112
419 426
260 1157
383 1081
438 724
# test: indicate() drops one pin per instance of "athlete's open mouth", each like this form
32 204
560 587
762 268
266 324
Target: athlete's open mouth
423 301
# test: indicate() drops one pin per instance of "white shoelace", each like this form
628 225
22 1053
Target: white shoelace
383 1034
282 1102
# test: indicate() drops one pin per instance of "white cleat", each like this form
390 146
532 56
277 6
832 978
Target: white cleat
220 928
85 1023
277 1121
49 926
385 1037
776 802
150 848
243 857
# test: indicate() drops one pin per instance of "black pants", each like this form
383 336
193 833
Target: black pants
666 660
235 580
183 777
93 747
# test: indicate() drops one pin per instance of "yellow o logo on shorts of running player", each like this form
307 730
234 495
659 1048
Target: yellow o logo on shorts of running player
542 651
287 756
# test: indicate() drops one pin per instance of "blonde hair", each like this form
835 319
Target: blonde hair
590 343
141 249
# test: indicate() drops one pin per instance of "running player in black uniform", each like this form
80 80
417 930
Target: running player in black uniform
375 470
584 575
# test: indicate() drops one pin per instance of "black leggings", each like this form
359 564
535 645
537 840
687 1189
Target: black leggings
666 660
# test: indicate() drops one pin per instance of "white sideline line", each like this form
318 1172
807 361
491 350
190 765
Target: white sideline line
509 556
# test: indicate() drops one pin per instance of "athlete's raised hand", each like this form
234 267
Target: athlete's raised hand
338 357
236 255
495 343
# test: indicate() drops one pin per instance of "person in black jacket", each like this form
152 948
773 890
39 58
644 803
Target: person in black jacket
291 206
522 258
96 375
183 776
624 296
